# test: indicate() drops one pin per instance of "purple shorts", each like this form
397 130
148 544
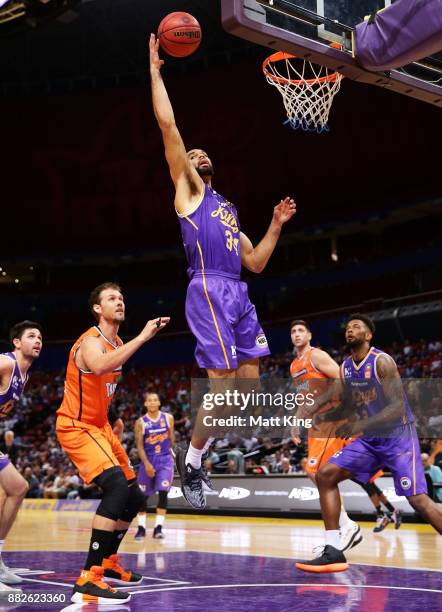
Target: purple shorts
4 461
400 454
223 321
162 481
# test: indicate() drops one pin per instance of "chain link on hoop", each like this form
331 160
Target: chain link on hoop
307 101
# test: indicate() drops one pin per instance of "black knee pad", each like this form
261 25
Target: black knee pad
115 488
370 488
134 502
162 500
143 507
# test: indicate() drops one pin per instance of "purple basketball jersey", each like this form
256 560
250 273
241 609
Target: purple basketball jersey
211 236
366 391
156 436
13 393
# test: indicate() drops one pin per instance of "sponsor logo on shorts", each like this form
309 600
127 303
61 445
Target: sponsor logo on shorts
234 493
261 341
165 483
233 349
312 461
142 487
337 454
95 545
405 482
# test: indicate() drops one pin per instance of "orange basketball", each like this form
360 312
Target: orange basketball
179 34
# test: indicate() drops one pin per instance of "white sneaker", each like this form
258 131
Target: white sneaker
350 535
6 590
8 577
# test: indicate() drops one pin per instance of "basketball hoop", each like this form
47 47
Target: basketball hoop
307 101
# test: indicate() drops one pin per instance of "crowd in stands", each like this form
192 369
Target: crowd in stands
34 449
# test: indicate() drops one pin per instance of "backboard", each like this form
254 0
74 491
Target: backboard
298 27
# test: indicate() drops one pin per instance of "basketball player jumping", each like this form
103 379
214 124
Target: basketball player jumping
84 432
230 339
154 438
371 386
26 340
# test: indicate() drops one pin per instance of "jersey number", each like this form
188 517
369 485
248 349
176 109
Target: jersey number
231 242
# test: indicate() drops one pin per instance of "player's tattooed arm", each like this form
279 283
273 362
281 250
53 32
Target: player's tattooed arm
6 368
140 449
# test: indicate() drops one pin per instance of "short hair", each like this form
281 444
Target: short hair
146 393
366 320
17 331
94 297
300 322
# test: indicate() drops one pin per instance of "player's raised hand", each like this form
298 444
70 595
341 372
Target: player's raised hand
153 327
154 56
284 211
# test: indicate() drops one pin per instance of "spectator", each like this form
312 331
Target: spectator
302 465
34 491
435 474
286 467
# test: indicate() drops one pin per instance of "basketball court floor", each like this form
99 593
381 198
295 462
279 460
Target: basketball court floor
230 564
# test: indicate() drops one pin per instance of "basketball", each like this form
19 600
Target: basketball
179 34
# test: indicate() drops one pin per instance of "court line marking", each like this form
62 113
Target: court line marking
247 554
289 584
122 587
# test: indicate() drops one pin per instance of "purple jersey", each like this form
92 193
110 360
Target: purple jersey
362 381
156 436
16 386
211 236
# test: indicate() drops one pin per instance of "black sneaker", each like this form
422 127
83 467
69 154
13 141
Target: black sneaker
191 480
90 588
209 484
331 560
381 522
141 533
158 533
396 518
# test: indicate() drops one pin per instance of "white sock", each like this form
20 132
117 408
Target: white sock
159 520
2 543
332 538
207 445
142 520
344 518
194 456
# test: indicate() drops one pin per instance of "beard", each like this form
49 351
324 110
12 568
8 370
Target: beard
354 343
206 171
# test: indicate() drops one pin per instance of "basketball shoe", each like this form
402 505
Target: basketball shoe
90 588
113 571
329 560
191 480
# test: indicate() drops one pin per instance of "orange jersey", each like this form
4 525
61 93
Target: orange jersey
302 369
86 395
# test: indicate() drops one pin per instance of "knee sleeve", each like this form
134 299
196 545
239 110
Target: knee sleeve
370 488
135 501
115 493
162 500
143 507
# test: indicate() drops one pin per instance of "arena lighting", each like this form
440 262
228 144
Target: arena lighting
19 15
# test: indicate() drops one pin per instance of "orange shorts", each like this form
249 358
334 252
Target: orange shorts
92 449
320 450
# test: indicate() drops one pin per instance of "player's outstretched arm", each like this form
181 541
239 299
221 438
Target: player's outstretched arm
91 354
255 258
188 183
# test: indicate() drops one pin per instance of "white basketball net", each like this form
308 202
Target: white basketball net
307 101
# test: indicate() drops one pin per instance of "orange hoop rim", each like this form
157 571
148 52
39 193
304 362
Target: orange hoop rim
282 55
